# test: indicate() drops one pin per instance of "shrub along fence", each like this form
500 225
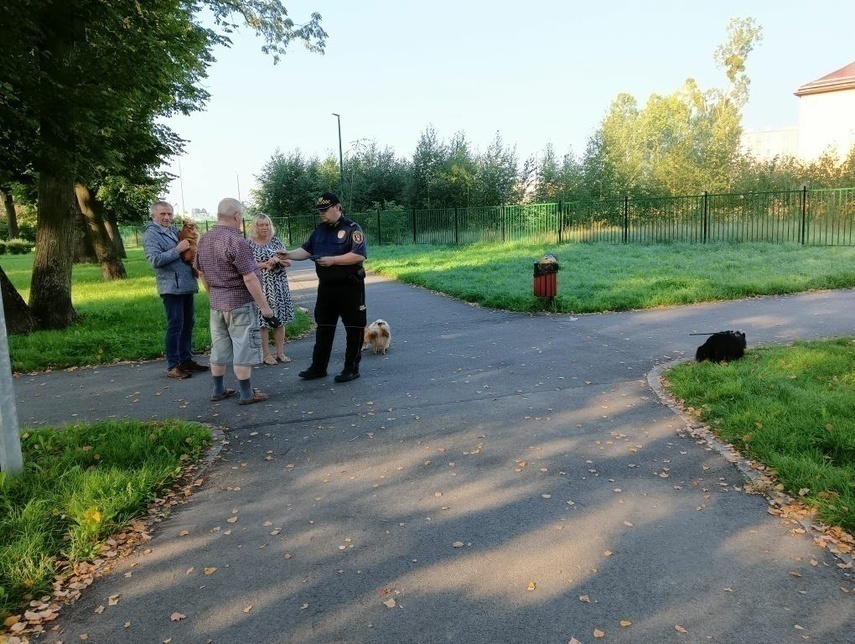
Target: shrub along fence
811 217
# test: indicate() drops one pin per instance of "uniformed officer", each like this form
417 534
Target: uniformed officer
337 246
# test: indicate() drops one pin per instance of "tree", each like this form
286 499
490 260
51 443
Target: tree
288 185
496 175
687 141
376 177
428 158
77 72
11 215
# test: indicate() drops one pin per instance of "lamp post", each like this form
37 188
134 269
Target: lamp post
340 159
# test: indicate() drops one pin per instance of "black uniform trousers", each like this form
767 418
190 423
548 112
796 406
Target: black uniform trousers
345 300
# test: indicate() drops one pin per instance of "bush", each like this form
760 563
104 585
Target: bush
27 231
2 247
19 246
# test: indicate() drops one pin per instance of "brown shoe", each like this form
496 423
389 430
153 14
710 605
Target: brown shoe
178 373
257 396
191 365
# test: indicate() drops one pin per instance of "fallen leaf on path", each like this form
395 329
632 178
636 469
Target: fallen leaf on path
532 585
211 570
99 610
389 603
598 633
585 598
176 617
457 544
625 622
680 629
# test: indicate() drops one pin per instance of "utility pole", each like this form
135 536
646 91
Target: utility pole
181 183
340 159
11 460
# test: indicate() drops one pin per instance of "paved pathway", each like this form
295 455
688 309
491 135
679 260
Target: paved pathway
532 443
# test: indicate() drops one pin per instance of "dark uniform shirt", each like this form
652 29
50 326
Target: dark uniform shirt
342 237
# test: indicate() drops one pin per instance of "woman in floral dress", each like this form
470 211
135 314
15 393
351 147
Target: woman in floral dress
274 281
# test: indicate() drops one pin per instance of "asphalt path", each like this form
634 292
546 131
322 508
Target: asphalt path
497 477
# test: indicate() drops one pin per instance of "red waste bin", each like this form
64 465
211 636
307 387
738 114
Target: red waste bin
546 285
546 277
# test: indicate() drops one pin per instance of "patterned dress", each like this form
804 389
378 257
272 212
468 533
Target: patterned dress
274 282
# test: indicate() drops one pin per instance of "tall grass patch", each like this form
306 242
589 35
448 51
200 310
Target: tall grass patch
80 485
790 408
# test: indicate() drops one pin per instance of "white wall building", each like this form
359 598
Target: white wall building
826 121
827 114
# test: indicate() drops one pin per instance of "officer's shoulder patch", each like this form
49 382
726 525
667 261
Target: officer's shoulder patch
357 237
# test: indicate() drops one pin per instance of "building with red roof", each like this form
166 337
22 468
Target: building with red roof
826 121
827 114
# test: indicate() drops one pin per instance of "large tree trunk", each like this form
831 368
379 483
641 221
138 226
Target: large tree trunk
112 267
50 292
84 251
11 215
113 230
19 320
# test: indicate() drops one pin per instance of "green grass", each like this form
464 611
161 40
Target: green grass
121 320
789 408
614 277
80 485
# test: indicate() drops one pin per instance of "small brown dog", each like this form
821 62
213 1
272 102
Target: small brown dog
378 335
191 234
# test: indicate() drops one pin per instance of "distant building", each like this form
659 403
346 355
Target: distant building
769 143
827 114
199 214
826 121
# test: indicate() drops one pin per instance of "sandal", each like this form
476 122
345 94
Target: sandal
228 393
282 358
269 360
257 396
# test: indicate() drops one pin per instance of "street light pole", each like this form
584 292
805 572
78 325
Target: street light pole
340 158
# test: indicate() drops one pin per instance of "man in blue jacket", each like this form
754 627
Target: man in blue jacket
176 286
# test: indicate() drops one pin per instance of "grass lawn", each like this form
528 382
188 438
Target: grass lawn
121 320
81 485
789 408
615 277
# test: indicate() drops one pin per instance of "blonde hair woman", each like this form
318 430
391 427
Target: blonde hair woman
274 281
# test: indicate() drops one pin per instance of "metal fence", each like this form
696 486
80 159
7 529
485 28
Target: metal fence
809 217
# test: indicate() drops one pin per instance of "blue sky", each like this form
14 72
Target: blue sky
538 72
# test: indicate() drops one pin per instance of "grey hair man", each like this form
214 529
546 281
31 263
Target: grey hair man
232 278
176 286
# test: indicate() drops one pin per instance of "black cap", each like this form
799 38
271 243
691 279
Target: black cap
327 200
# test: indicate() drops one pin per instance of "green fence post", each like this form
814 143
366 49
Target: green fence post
706 222
456 230
625 219
414 225
379 233
804 214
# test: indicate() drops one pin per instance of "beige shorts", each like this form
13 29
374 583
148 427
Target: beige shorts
236 336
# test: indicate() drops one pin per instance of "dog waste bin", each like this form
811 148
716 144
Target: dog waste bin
546 277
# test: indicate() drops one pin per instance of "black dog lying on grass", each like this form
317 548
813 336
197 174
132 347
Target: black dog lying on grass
722 346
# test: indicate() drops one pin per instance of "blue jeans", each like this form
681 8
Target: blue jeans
180 318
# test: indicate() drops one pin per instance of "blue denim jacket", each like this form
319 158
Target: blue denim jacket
172 275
